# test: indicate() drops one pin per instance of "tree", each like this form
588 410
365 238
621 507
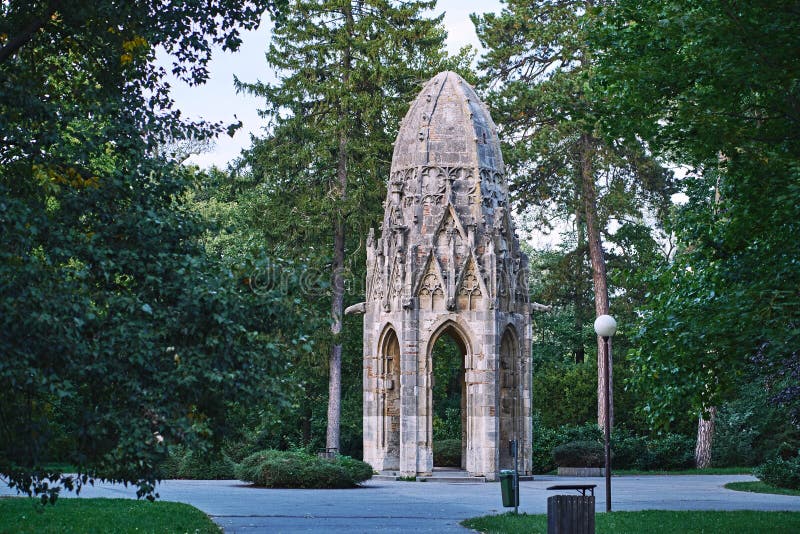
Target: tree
713 86
348 69
539 65
121 336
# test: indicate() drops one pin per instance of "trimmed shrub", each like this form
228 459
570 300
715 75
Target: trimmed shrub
295 469
358 470
546 439
579 454
447 453
186 464
781 473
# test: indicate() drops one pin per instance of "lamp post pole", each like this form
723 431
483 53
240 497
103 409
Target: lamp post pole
607 427
605 326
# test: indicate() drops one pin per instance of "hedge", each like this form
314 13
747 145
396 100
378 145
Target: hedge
295 469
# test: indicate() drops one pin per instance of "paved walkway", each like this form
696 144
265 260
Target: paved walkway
389 506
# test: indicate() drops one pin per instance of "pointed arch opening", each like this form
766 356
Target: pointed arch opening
448 356
510 378
390 398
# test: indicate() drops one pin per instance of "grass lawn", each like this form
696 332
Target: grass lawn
761 487
693 471
69 515
652 522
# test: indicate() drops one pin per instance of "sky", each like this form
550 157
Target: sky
217 99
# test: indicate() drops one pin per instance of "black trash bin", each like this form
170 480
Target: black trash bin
510 496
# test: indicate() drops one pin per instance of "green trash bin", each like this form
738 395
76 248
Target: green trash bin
510 497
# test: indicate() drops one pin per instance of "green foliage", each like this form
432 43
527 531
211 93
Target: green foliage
84 516
448 377
601 190
579 454
565 393
651 521
295 469
186 464
121 334
629 450
724 311
734 439
347 71
781 473
545 439
447 452
660 452
447 426
671 451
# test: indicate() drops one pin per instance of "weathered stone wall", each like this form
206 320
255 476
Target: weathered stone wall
447 260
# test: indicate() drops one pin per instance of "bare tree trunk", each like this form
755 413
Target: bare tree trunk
705 438
335 361
337 274
579 350
599 279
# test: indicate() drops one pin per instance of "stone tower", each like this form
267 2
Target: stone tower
447 262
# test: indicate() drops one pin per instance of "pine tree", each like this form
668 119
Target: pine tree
348 69
539 66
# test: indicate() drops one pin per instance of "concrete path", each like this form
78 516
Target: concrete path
389 506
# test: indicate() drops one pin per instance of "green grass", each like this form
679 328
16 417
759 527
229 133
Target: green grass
692 471
652 522
72 516
761 487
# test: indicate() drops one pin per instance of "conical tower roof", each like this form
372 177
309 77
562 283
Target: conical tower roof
447 166
447 125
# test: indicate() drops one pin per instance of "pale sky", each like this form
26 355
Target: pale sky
217 100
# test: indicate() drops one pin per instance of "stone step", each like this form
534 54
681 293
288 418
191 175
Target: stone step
443 474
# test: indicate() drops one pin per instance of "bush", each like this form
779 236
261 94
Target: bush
781 473
671 451
734 438
546 439
579 454
295 469
447 453
630 451
186 464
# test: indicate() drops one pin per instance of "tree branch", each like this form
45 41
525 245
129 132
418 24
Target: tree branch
16 42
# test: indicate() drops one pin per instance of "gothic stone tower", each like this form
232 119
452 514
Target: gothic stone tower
447 262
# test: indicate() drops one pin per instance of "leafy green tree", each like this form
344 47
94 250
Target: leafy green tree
539 66
713 86
120 335
348 69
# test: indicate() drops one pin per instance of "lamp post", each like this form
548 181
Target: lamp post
606 327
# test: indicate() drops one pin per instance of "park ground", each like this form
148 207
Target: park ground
396 506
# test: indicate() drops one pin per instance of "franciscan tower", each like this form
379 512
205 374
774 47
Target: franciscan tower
447 262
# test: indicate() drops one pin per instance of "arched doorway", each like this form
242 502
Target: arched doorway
510 396
390 399
448 395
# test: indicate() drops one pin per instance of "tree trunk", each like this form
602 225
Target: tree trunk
335 361
579 351
705 427
705 438
337 274
598 262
